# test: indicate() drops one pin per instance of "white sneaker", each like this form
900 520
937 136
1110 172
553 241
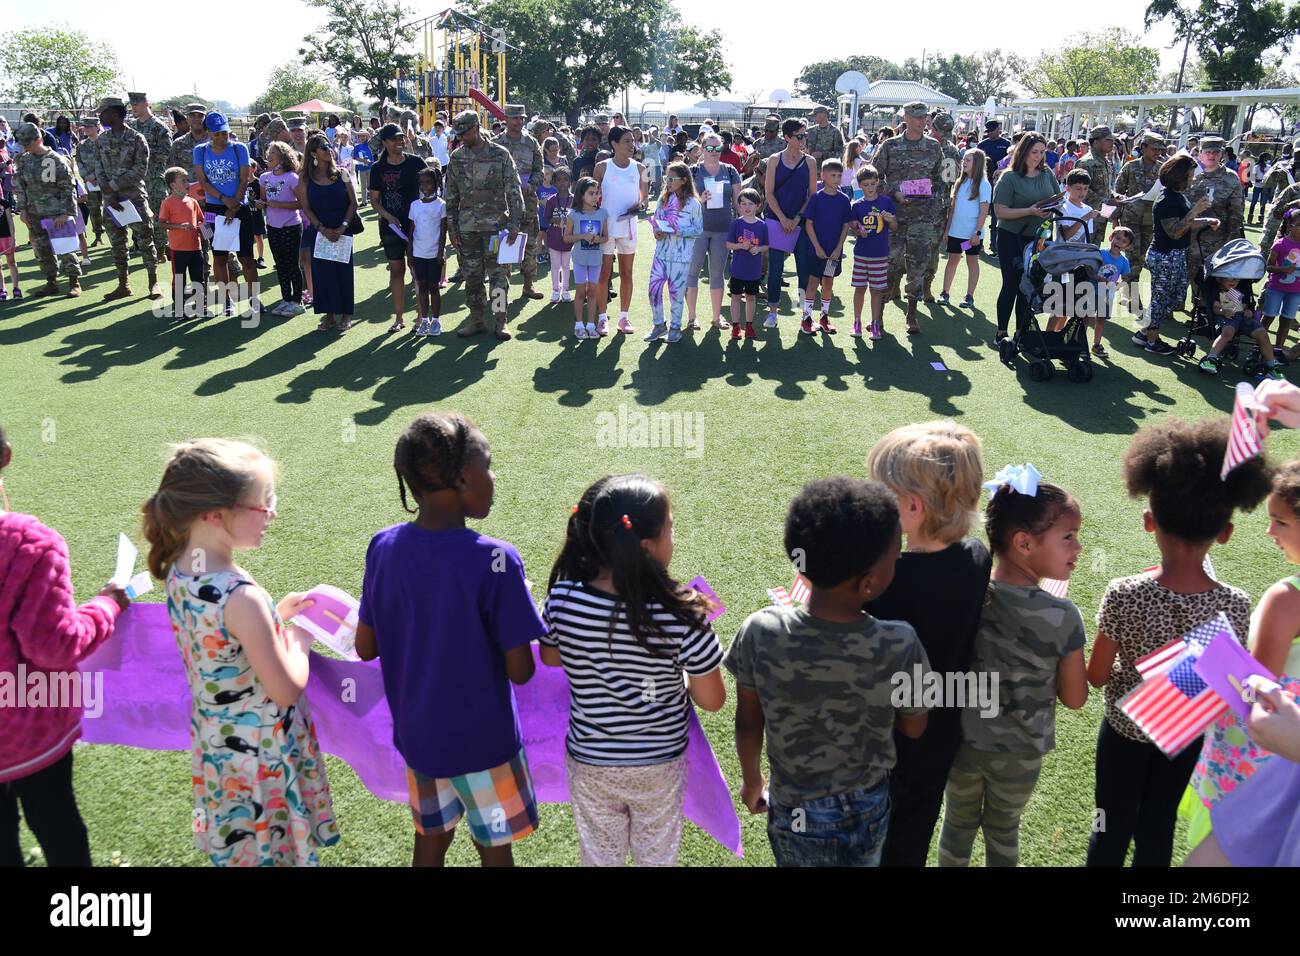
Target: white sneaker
566 296
591 329
602 328
294 308
625 326
435 326
422 327
770 321
555 296
579 330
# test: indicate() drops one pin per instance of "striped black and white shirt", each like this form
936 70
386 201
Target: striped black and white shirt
626 706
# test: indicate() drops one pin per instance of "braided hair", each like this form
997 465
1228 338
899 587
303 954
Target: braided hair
431 453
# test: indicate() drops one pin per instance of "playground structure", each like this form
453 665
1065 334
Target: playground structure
461 65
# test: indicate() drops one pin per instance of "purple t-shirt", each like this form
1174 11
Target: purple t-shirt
446 606
279 187
1288 250
873 241
745 265
828 212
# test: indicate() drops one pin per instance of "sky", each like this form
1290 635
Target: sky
143 34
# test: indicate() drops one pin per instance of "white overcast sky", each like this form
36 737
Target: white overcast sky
763 47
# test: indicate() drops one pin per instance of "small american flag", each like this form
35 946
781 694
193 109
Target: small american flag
1243 439
1173 705
779 596
799 590
1057 589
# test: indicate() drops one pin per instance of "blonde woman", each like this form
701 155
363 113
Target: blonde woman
967 213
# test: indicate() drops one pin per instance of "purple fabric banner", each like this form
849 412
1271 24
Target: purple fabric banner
147 704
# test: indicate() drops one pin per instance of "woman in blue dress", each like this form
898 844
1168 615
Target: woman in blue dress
329 203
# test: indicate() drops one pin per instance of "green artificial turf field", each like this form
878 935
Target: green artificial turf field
94 392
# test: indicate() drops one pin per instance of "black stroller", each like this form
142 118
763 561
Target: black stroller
1238 259
1052 270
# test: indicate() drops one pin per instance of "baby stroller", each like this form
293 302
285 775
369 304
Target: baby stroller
1050 269
1239 259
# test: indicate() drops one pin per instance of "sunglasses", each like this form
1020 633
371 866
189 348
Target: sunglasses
268 510
672 179
798 136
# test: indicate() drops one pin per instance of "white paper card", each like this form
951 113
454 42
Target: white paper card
126 215
225 235
508 252
126 555
91 187
142 583
717 192
65 244
340 251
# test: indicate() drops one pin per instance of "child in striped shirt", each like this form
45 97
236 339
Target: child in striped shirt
625 633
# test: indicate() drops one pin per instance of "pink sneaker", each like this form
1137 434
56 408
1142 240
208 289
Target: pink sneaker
625 326
876 331
602 327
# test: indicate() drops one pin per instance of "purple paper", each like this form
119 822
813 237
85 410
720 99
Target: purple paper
965 246
779 239
398 232
1225 665
147 705
66 231
938 366
701 585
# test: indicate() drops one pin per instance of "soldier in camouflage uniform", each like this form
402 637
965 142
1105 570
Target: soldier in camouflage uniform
1286 199
912 156
527 155
1136 179
825 141
1226 205
84 155
772 141
942 124
44 188
159 141
298 134
182 155
1101 141
541 129
123 159
1025 637
483 196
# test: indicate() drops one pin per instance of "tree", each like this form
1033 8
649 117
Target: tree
974 77
361 41
817 80
577 54
1111 62
181 100
57 66
289 84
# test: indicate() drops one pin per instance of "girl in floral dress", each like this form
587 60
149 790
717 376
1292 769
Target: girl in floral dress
261 797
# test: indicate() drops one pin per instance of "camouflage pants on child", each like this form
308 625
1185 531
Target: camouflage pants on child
986 790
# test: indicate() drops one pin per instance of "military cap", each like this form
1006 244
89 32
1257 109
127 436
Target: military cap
26 133
916 109
772 121
515 109
992 124
137 97
1150 138
1100 132
109 102
464 121
1213 142
601 118
193 109
297 122
943 122
262 118
821 109
88 121
275 128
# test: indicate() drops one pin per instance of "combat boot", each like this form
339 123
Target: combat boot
474 325
530 292
155 290
912 327
74 287
99 239
51 287
123 289
503 333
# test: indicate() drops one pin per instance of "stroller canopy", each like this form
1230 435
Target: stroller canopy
1238 259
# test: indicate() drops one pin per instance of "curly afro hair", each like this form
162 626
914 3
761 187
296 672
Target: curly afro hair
840 528
1176 464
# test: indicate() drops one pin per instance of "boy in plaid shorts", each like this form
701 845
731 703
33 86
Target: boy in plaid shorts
873 214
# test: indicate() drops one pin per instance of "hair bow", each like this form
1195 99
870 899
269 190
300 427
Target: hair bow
1019 478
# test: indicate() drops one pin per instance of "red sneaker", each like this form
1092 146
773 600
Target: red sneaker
735 333
750 332
806 325
826 325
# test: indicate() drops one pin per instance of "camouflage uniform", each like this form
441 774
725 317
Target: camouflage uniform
1227 206
483 196
1138 177
913 241
1024 633
43 189
828 698
951 173
84 154
764 148
1285 199
527 155
123 158
1102 171
828 140
159 142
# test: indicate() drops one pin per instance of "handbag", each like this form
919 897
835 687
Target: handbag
355 226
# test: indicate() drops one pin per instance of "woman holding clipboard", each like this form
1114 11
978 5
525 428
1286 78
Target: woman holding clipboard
329 202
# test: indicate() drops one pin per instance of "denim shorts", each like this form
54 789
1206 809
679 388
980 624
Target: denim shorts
1284 304
1244 323
846 829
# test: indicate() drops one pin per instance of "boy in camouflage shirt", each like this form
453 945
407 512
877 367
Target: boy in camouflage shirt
820 681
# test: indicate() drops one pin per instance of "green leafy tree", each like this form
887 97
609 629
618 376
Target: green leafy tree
974 77
56 66
1111 62
289 84
1232 38
363 42
577 54
817 80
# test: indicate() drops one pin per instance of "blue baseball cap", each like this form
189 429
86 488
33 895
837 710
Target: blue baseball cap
217 123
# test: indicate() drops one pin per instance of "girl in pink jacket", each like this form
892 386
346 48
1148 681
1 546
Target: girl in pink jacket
43 635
